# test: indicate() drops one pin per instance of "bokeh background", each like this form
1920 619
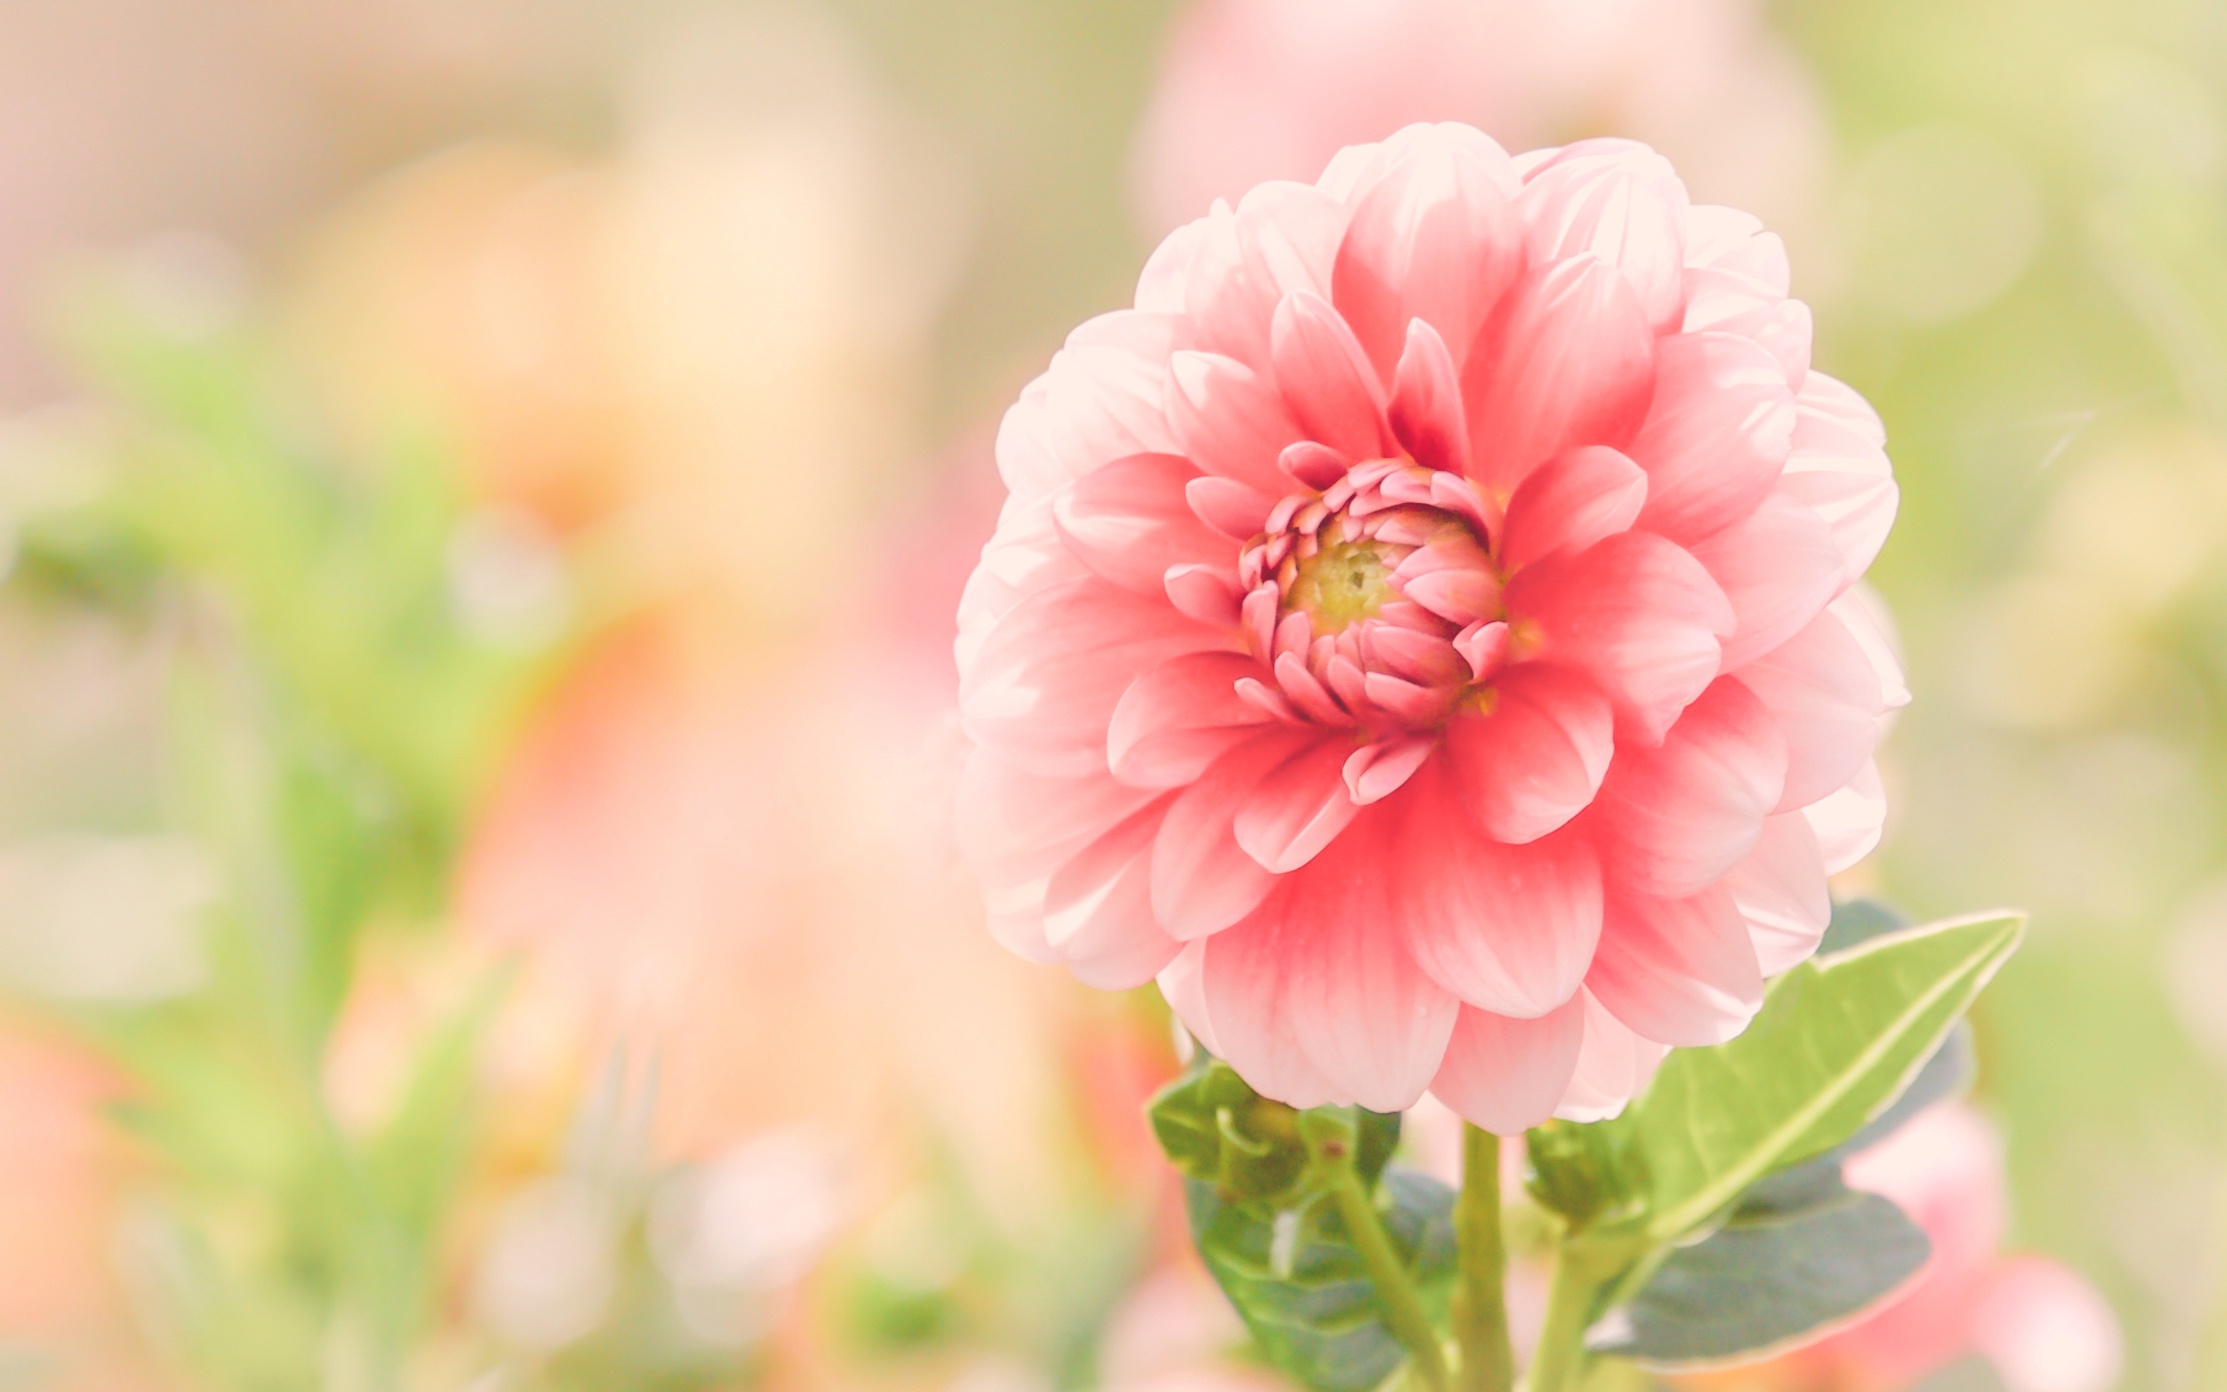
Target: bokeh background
484 485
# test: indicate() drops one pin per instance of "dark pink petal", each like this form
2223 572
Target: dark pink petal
1229 420
1327 383
1313 464
1619 201
1823 694
1717 435
1129 521
1636 614
1507 1075
1042 689
1426 410
1314 968
1780 891
1484 646
1537 757
1570 502
1177 719
1509 929
1614 1065
1098 908
1202 880
1681 972
1435 239
1681 814
1780 567
1298 809
1567 360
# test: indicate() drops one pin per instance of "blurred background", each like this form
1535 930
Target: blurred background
483 489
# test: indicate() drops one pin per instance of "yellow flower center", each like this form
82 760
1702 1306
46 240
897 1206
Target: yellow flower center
1340 585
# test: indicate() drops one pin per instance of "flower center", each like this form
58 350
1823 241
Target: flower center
1341 585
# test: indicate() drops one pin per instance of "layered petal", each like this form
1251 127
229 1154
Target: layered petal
1228 419
1328 385
1174 721
1621 202
1297 809
1849 821
1573 500
1681 972
1202 880
1780 890
1683 813
1636 614
1717 435
1838 466
1098 907
1314 972
1509 929
1779 568
1427 415
1507 1075
1536 758
1614 1065
1824 695
1129 521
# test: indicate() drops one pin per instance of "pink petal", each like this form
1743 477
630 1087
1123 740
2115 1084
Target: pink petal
1824 695
1570 502
1509 1075
1236 510
1228 419
1327 383
1460 597
1313 464
1426 410
1183 986
1537 758
1716 437
1731 240
1614 1065
1098 908
1680 815
1042 689
1202 880
1313 971
1779 567
1872 626
1727 302
1509 929
1298 809
1838 466
1376 771
1129 521
1619 201
1016 827
1484 646
1850 821
1780 891
1636 614
1177 719
1163 284
1678 971
1567 360
1096 402
1207 594
1436 239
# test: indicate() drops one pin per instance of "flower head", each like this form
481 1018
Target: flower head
1421 634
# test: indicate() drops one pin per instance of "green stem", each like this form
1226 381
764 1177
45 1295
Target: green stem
1560 1362
1488 1363
1395 1293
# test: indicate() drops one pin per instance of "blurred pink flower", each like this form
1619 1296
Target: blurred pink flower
2039 1323
1252 90
1419 634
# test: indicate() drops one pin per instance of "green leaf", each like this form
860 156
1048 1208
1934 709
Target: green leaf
1587 1173
1947 1074
1295 1278
1837 1040
1766 1280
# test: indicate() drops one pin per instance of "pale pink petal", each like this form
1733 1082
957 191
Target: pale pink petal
1681 972
1202 880
1314 968
1838 466
1732 240
1566 360
1716 436
1824 695
1780 890
1426 410
1509 929
1236 510
1228 419
1636 614
1614 1065
1297 809
1377 770
1537 757
1098 908
1163 286
1016 827
1850 821
1327 383
1728 302
1207 594
1177 719
1129 521
1619 201
1872 626
1043 687
1182 986
1101 398
1570 502
1779 567
1681 814
1507 1075
1436 238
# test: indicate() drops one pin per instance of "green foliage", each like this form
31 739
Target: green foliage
1259 1181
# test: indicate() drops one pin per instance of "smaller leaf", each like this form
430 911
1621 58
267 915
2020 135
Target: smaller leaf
1766 1281
1586 1173
1213 1126
1947 1074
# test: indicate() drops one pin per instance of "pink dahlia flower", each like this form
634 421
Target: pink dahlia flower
1420 632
